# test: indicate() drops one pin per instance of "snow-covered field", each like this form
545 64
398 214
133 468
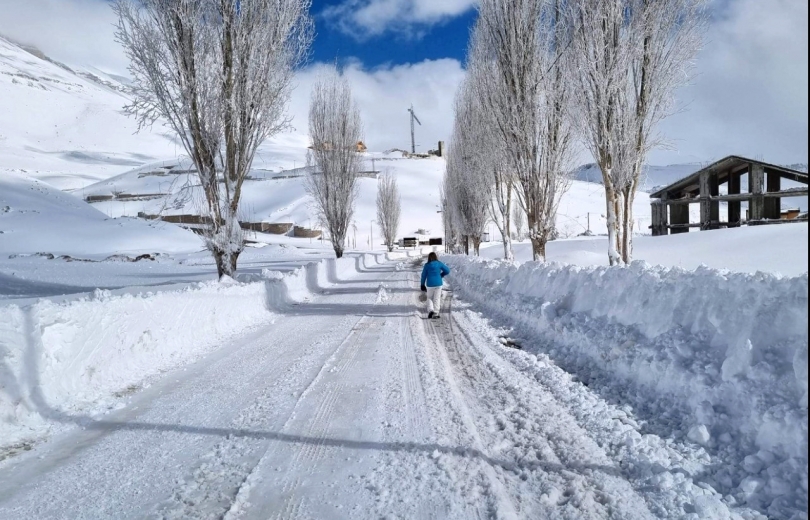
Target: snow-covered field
64 128
771 249
38 218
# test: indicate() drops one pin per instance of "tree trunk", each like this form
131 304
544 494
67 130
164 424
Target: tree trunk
226 263
613 225
338 251
627 235
466 245
477 245
538 248
507 248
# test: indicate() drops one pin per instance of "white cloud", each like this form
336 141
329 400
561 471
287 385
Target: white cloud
384 96
750 96
76 32
365 18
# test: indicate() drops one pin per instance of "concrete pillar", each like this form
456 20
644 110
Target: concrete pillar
679 214
756 186
734 207
709 209
773 205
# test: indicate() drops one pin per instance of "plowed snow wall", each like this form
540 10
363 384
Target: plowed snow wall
59 360
724 350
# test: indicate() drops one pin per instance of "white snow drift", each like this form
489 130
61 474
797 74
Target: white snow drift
719 358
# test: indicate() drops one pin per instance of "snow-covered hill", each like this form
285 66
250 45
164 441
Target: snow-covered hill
275 191
38 218
654 176
66 125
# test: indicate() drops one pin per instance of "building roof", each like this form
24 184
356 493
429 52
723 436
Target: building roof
732 163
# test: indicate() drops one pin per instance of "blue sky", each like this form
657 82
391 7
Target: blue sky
444 39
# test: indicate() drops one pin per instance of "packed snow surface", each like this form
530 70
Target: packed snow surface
337 399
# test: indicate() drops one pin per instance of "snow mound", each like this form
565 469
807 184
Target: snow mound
38 218
714 357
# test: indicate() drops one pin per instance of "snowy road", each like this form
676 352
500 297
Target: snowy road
350 405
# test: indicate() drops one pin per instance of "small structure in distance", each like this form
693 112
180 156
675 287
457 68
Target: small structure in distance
670 205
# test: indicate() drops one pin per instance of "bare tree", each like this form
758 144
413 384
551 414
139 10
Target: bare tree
523 86
389 207
631 56
335 129
219 73
468 180
452 235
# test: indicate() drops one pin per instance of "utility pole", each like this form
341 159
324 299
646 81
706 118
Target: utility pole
371 240
589 221
413 129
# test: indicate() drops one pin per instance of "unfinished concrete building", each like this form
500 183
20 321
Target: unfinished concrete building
764 194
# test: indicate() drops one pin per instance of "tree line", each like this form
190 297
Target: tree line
543 77
546 77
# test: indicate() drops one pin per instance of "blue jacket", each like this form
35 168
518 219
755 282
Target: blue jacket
433 272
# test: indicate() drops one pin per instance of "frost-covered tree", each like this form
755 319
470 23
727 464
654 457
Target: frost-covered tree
389 207
630 57
335 129
218 72
452 236
468 181
525 90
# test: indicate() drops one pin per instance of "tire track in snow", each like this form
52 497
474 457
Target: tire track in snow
306 455
215 484
504 508
579 478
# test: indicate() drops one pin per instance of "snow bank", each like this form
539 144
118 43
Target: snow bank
717 358
62 361
38 218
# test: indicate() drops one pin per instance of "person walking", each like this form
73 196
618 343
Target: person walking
432 274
